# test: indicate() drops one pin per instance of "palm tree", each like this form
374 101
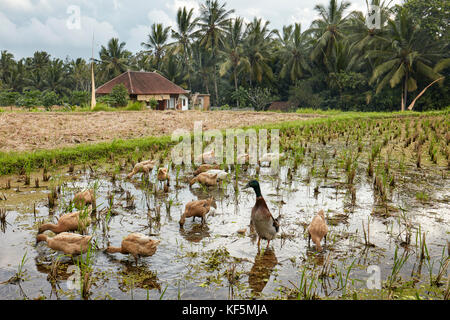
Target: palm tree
172 68
258 50
328 29
6 66
212 25
183 36
358 30
295 46
203 63
79 71
114 59
157 42
233 52
56 77
408 55
37 66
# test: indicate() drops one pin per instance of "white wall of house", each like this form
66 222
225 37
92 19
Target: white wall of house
184 102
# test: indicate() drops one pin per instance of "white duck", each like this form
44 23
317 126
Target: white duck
221 174
270 156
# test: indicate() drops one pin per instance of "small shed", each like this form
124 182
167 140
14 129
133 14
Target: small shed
145 86
284 106
201 101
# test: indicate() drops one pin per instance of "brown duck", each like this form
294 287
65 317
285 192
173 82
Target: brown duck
68 222
317 230
69 243
205 179
83 198
137 245
197 208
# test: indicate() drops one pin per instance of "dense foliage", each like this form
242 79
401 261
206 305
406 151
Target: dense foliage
338 62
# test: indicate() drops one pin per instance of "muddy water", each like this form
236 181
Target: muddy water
193 262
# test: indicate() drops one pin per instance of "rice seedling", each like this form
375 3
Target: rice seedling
422 196
399 261
21 273
305 290
342 278
3 214
85 266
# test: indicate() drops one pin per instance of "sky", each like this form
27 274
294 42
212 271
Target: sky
65 28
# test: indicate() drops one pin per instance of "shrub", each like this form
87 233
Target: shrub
119 94
79 98
100 106
29 99
8 98
49 99
153 103
107 99
135 106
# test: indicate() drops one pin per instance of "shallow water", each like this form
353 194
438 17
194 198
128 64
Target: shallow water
192 262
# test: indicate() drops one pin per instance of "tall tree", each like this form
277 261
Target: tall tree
183 35
157 43
258 48
295 46
212 25
328 29
233 52
114 59
407 56
7 64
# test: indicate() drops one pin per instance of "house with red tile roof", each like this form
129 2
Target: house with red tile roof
145 86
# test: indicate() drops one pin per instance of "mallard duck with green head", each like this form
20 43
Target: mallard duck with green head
261 220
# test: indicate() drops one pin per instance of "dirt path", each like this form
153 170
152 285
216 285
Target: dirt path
48 130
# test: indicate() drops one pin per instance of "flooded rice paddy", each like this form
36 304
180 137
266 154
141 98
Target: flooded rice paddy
382 209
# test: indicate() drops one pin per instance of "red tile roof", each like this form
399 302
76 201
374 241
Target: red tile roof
142 83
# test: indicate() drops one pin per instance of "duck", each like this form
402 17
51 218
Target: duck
144 166
207 157
68 222
162 174
271 156
83 198
317 230
196 208
136 244
243 158
67 242
262 221
205 167
221 174
205 179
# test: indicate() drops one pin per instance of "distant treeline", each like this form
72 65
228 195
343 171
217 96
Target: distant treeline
339 62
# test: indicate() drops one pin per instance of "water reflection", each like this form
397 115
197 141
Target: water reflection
265 262
131 277
195 232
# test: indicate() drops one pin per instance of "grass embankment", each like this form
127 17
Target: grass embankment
21 162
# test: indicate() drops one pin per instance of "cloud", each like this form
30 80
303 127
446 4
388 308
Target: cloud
189 4
53 36
137 35
160 16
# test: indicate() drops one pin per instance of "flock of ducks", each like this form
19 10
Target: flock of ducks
137 244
